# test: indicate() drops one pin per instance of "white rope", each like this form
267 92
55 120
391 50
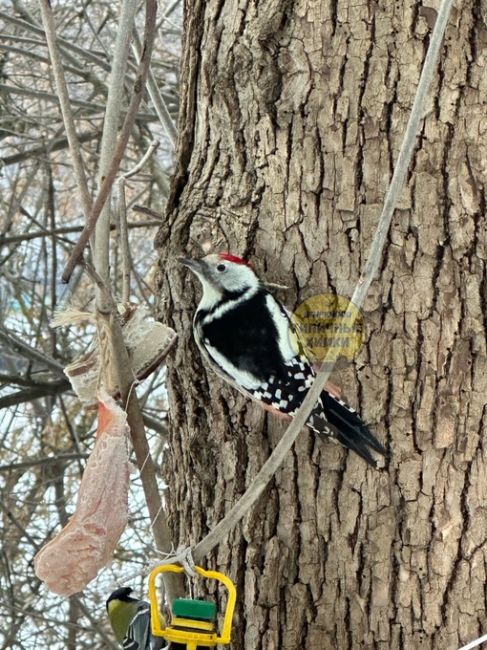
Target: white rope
474 644
161 508
187 561
140 474
183 555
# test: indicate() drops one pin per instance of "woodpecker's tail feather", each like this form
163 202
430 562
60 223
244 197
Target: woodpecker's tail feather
341 422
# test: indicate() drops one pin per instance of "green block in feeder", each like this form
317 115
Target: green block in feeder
200 610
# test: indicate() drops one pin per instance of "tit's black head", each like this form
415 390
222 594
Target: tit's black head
123 594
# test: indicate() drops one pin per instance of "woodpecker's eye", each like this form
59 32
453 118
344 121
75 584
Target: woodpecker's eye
221 267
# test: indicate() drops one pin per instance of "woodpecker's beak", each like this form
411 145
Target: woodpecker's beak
193 265
201 269
198 267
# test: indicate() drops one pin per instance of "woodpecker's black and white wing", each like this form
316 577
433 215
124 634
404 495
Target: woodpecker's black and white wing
242 340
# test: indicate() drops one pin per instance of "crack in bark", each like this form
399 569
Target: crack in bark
361 116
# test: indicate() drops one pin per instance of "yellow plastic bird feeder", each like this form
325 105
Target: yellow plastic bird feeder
193 622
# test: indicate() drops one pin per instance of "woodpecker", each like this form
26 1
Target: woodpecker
243 333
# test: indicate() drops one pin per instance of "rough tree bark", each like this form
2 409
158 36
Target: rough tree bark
292 114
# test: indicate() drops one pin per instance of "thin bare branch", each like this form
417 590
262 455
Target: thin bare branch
35 392
171 9
122 220
156 98
13 239
101 239
64 101
18 380
138 90
52 97
124 240
37 57
54 145
16 344
156 425
143 209
138 167
32 462
36 29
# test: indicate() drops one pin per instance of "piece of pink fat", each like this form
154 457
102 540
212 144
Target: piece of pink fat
86 544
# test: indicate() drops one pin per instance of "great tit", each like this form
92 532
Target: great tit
130 621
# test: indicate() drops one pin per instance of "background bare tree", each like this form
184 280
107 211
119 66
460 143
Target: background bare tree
291 117
44 434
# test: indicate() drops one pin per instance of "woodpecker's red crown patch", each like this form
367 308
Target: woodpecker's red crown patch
235 259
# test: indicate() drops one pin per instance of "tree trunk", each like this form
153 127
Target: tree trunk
292 114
